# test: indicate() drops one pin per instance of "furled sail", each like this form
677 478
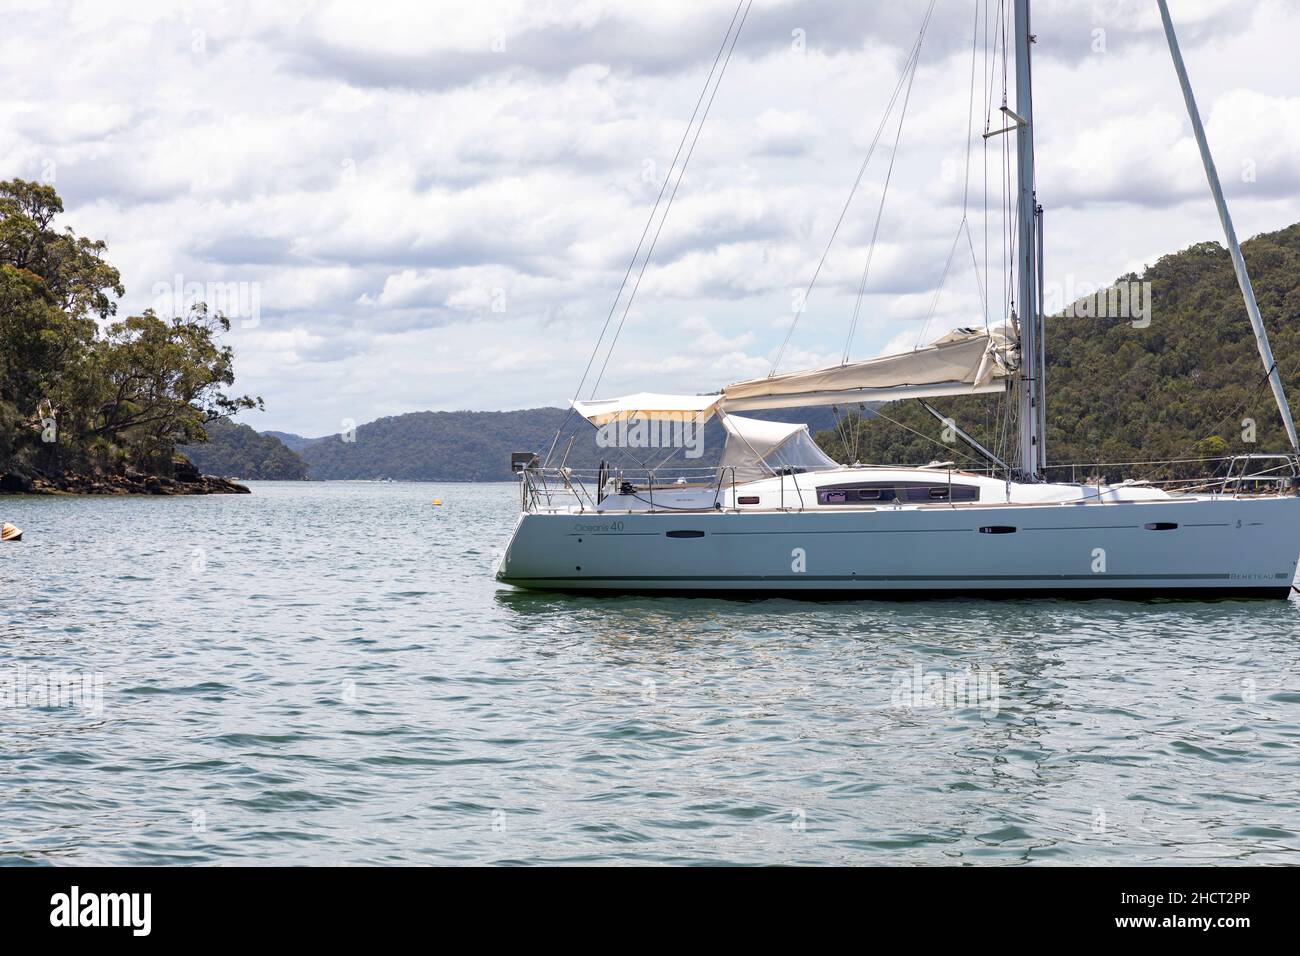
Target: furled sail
963 362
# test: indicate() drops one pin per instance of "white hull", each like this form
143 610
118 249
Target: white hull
1192 546
817 528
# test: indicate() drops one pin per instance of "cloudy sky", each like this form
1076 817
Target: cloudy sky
431 205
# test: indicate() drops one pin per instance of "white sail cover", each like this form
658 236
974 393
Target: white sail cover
963 362
757 449
648 405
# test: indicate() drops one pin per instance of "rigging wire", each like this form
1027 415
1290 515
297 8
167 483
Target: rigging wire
988 96
964 224
649 220
908 65
938 291
860 419
880 210
933 441
840 433
1250 397
970 112
673 195
970 136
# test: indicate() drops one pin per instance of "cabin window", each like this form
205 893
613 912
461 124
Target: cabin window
925 492
915 491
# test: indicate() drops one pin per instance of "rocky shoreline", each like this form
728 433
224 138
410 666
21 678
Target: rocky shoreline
183 481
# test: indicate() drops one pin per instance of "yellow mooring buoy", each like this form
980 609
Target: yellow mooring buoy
437 501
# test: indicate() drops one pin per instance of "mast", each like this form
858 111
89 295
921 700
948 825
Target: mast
1042 348
1238 263
1027 264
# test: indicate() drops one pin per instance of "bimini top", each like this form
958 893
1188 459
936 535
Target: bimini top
649 405
963 362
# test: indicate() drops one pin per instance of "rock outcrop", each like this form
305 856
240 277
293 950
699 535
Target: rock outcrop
185 480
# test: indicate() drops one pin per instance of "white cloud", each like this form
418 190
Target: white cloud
438 201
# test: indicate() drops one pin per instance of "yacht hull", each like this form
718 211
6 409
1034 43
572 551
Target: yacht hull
1194 547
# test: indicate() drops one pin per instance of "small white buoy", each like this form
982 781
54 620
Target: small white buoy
10 533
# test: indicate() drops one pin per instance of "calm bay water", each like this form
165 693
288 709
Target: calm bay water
327 673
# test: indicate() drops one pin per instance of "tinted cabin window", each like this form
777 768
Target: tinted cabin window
910 491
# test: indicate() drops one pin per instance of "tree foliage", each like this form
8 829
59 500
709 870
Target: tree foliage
236 451
79 390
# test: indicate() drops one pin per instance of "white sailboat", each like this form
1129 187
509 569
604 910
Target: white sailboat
779 517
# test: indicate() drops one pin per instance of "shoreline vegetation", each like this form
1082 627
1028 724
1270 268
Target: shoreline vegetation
92 404
184 480
1164 395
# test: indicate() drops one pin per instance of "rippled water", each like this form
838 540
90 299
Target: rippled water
327 673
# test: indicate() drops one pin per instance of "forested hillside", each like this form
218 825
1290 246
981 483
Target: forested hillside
290 440
476 446
1188 385
236 451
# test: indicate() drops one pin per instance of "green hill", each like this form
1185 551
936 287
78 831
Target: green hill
237 451
291 441
476 446
1181 387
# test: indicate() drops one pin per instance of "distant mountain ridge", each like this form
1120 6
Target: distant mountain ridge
291 441
237 451
476 446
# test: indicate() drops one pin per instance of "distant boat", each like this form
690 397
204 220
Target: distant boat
780 517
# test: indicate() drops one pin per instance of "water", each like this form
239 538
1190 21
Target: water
326 673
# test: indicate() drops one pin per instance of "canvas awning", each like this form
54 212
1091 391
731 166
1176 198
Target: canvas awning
963 362
650 406
756 449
